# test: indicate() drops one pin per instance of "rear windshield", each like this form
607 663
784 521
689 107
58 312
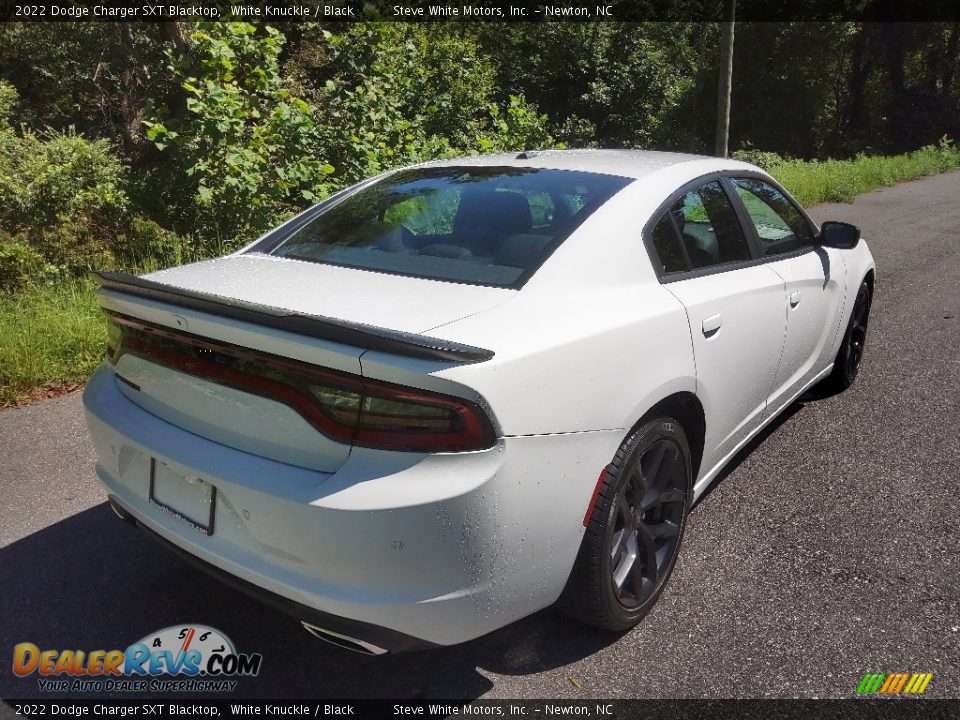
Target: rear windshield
489 225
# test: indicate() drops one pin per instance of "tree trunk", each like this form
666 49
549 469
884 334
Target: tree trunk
857 85
726 80
174 32
950 59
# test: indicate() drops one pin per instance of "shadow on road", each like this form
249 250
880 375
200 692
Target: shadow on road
93 582
761 437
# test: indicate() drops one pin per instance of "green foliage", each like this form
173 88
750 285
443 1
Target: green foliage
53 177
8 102
69 249
21 265
801 89
248 125
517 127
601 84
49 336
89 75
760 158
62 199
783 96
391 94
247 145
142 245
367 122
842 180
436 77
64 209
54 334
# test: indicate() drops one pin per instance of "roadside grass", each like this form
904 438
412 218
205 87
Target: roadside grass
52 337
840 181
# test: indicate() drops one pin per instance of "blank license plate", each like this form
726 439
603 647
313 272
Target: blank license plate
191 500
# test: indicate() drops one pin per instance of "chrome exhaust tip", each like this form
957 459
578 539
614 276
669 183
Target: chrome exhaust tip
343 641
120 512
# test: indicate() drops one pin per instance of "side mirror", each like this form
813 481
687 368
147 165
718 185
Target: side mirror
839 235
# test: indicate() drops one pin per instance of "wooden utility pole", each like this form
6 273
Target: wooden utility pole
726 79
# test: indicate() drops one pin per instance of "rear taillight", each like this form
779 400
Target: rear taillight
344 407
402 418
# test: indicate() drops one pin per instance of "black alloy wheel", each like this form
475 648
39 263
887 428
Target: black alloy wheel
847 363
634 533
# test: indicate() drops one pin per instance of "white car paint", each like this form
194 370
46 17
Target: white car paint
815 288
416 305
737 326
445 547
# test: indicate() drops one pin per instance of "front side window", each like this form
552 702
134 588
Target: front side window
487 225
708 227
779 224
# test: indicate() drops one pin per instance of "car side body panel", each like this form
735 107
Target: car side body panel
737 325
816 286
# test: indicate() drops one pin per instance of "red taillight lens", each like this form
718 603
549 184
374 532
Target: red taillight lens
401 418
344 407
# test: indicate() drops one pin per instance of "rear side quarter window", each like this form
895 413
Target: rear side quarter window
670 252
699 230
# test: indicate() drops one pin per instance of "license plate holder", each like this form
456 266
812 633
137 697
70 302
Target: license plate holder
191 500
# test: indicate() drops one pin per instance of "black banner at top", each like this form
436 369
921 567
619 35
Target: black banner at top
189 707
286 11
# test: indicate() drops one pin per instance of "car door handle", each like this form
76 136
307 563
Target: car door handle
794 298
711 324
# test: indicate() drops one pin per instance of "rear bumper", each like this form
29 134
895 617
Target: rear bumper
379 637
398 549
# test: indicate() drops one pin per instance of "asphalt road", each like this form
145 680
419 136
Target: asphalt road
829 549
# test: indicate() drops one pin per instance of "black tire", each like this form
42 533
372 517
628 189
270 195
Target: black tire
847 363
641 510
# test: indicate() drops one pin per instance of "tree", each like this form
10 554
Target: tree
389 94
248 146
95 77
602 84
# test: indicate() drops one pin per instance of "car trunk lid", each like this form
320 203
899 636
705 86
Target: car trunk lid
191 345
382 300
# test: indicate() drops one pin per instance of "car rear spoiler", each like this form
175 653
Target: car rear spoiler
315 326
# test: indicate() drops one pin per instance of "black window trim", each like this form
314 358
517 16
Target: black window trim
757 256
677 237
665 206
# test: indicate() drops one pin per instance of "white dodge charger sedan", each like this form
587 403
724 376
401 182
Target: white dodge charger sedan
454 394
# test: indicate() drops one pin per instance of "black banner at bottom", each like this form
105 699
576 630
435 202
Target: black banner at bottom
475 709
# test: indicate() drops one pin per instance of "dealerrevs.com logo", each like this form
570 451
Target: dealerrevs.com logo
181 658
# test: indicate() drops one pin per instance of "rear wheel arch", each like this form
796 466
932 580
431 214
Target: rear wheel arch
635 524
685 408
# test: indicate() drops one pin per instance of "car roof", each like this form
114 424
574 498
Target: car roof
633 164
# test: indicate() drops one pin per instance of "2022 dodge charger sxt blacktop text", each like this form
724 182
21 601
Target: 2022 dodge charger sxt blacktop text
451 395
